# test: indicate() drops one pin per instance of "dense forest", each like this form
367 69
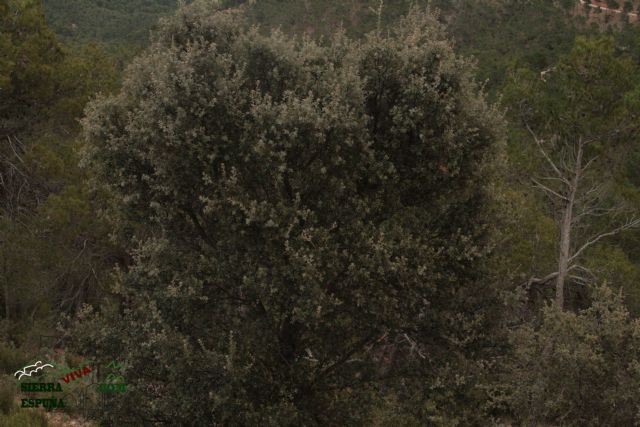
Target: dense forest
112 21
319 213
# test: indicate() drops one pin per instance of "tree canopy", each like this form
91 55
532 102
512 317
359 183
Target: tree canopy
327 223
308 205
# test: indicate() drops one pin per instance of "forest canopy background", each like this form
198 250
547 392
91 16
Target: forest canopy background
345 219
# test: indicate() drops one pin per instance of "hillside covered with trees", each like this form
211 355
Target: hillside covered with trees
319 213
111 21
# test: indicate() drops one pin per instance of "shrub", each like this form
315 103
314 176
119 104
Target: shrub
7 395
321 217
12 358
24 419
579 368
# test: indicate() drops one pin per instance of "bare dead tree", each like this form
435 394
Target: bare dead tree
577 194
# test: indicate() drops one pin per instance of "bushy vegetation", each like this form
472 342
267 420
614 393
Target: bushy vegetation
53 245
126 21
24 419
495 32
304 198
345 221
579 368
7 396
10 413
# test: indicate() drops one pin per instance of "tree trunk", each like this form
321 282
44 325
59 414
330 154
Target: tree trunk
6 300
563 259
565 231
5 289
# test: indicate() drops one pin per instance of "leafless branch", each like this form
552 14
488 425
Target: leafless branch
546 156
633 223
595 189
595 212
589 163
14 150
542 281
548 190
414 346
579 279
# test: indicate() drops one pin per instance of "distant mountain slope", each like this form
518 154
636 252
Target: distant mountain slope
106 20
130 20
608 12
531 33
322 17
494 31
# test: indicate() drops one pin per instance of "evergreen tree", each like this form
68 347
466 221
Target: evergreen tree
52 247
578 369
316 221
580 116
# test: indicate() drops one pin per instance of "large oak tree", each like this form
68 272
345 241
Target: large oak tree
315 215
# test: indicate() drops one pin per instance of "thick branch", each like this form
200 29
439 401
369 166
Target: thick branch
542 281
199 228
357 347
549 277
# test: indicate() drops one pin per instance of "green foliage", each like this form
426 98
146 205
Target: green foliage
11 358
578 369
589 92
111 21
310 221
53 246
613 4
528 242
322 17
7 396
20 418
530 33
37 76
614 265
10 413
390 412
29 55
628 6
496 32
588 99
308 208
